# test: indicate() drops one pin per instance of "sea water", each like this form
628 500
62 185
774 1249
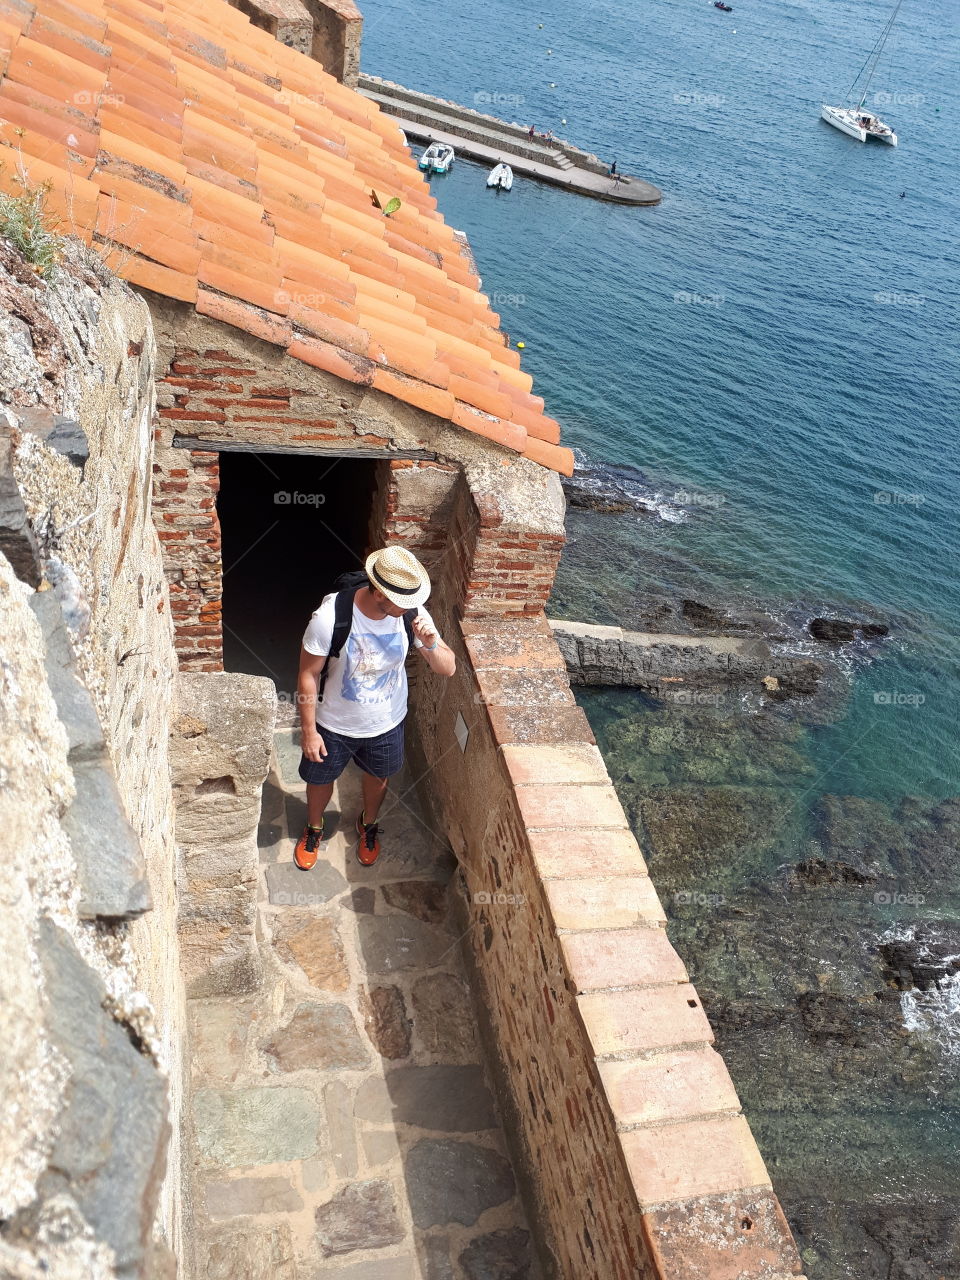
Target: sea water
770 358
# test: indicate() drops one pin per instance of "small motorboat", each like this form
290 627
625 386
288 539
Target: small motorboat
500 177
725 8
438 158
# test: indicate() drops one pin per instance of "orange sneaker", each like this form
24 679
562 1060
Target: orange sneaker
308 846
368 846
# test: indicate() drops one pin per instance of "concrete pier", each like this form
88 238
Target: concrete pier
488 140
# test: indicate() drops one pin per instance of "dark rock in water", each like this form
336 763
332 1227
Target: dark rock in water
833 631
838 631
704 615
606 504
921 962
818 871
801 680
913 844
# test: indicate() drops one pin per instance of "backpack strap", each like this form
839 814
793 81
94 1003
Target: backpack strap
342 622
408 618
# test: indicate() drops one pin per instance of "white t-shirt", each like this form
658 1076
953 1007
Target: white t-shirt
366 689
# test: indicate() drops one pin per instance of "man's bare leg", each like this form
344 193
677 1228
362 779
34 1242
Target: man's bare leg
318 797
374 789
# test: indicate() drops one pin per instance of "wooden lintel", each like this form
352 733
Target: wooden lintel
270 446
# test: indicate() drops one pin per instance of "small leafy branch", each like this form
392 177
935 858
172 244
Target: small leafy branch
29 226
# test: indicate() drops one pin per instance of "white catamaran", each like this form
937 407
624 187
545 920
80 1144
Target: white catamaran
855 121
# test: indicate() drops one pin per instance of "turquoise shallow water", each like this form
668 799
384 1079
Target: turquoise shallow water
774 348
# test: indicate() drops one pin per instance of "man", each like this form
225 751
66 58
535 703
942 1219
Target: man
364 702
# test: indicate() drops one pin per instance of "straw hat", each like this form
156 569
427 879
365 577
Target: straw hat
399 575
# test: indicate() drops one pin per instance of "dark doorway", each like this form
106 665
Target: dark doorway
289 525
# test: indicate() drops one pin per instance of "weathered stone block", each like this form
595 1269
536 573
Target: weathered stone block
320 1037
288 886
644 1018
362 1215
237 1127
386 1021
233 1197
453 1099
338 1105
444 1021
314 943
246 1251
111 1147
394 942
668 1086
500 1255
603 958
449 1181
698 1158
600 903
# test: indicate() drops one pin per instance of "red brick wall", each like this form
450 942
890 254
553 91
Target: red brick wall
636 1161
185 488
483 564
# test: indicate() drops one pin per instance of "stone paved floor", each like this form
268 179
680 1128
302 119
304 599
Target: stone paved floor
343 1124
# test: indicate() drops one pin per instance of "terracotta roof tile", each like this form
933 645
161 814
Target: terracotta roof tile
172 284
550 455
322 355
262 324
508 434
240 175
431 399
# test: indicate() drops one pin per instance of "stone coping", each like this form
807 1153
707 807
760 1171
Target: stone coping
674 1107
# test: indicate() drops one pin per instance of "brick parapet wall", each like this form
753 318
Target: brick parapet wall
637 1159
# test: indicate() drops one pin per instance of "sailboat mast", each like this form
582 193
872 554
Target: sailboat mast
874 55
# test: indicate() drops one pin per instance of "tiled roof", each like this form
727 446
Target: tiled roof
240 177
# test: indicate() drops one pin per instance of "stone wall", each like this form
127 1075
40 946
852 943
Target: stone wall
88 667
668 665
329 31
493 520
637 1160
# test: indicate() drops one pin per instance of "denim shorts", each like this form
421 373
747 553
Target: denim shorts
380 756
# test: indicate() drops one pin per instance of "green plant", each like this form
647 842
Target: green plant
29 226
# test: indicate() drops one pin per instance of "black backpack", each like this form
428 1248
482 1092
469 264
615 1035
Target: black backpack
347 586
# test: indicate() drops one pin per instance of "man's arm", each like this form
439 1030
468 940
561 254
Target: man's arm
311 742
440 657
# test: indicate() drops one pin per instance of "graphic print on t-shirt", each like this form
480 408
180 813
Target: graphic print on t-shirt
371 672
